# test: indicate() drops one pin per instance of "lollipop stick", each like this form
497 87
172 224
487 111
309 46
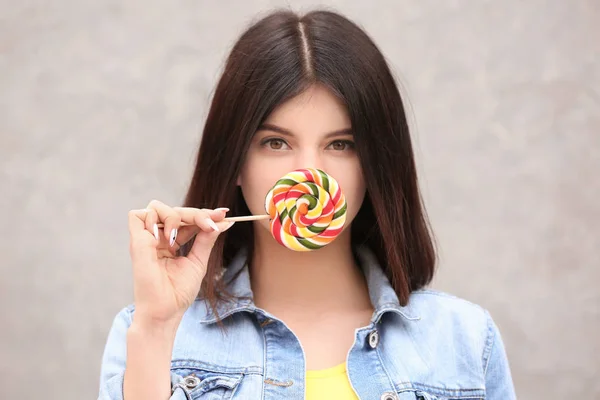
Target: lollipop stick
247 218
234 219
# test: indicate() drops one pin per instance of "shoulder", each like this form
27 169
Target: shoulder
430 303
449 318
465 328
449 346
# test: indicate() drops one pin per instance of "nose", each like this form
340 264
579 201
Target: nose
309 158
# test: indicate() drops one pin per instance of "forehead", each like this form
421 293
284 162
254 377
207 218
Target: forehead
316 110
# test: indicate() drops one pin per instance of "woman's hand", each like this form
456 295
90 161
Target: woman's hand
166 285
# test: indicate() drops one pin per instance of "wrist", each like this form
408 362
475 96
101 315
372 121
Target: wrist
150 327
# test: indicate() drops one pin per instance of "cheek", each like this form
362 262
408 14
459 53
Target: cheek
355 194
256 179
254 188
354 188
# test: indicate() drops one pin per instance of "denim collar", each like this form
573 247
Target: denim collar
237 280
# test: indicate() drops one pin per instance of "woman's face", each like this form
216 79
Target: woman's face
311 130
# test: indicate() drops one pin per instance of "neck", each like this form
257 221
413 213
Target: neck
327 279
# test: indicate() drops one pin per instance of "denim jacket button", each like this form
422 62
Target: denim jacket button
191 382
373 339
389 396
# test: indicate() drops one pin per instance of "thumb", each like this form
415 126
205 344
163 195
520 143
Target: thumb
205 241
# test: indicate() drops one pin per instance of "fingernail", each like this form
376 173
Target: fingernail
225 209
212 224
173 237
156 231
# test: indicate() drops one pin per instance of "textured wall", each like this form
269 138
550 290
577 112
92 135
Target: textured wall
101 104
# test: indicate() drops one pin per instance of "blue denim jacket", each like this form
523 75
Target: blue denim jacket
436 347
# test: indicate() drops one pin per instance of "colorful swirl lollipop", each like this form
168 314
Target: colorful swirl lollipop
307 209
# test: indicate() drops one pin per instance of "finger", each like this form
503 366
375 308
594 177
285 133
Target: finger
189 213
140 238
204 219
205 241
200 230
169 217
136 220
197 220
210 224
225 225
186 233
151 223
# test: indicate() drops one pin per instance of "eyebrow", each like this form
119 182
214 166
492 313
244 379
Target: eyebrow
283 131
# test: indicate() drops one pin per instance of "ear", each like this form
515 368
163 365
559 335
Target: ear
239 180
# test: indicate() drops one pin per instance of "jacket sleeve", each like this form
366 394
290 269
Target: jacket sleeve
498 380
114 358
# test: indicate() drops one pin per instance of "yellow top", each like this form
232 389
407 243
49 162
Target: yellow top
330 383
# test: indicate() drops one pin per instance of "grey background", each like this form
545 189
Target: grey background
102 102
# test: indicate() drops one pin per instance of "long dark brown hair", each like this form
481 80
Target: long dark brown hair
276 59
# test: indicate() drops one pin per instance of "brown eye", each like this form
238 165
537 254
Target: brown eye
275 144
338 145
342 145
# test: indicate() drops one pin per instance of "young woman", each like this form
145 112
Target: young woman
223 311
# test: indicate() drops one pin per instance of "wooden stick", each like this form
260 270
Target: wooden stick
247 218
234 219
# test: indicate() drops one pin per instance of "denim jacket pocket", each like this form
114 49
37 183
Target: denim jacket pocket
439 394
207 384
414 395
